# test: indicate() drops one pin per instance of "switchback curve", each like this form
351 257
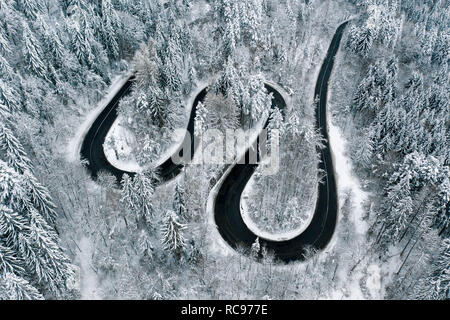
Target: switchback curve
317 235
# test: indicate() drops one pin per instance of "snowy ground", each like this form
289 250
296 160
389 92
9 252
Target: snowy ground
254 225
347 182
89 285
119 147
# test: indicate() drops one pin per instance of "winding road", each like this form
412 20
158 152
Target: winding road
227 213
92 146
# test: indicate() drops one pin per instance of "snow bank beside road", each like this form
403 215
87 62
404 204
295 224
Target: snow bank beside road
345 178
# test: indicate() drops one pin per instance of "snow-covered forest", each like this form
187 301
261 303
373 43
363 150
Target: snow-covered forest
65 235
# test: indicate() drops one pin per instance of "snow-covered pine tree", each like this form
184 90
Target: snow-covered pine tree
128 193
255 99
16 157
173 239
227 80
110 23
398 208
388 24
146 62
387 122
151 101
142 102
364 153
144 188
32 53
81 36
441 50
435 285
144 243
256 248
148 148
179 202
378 87
31 8
159 107
201 117
5 69
29 246
276 122
52 44
230 82
9 97
12 149
441 277
361 40
13 287
4 45
293 125
252 11
137 195
172 65
173 47
228 14
191 78
222 112
40 197
427 45
239 22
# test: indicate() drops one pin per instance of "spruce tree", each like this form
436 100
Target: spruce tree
4 45
13 151
5 69
31 8
9 97
173 239
29 246
201 116
13 287
137 193
110 23
256 248
32 53
52 44
179 202
144 188
441 277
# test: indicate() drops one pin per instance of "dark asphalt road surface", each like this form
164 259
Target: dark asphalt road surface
227 212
